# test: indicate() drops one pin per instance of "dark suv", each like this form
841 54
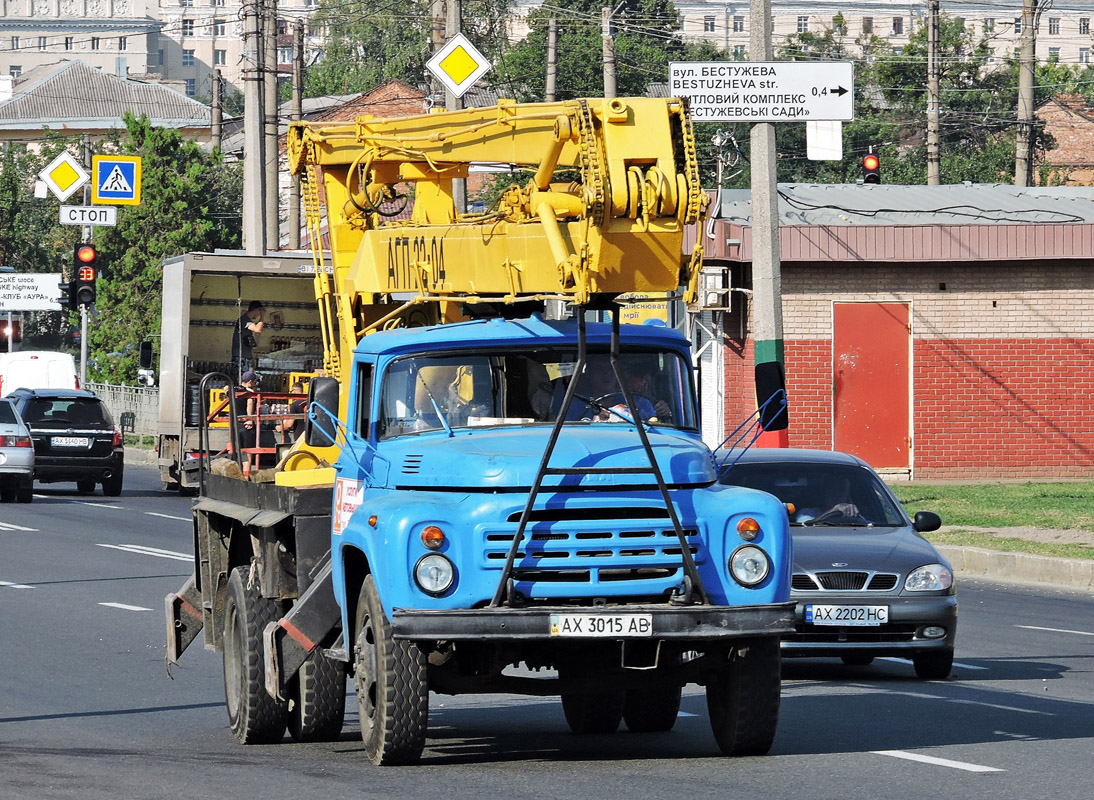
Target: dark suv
74 438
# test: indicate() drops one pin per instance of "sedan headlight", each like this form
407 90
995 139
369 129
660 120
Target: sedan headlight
749 565
930 578
434 574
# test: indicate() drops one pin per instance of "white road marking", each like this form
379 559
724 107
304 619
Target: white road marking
686 714
1054 630
149 551
124 607
908 661
10 526
15 585
938 762
168 516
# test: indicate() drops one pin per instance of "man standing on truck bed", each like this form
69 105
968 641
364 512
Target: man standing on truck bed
243 337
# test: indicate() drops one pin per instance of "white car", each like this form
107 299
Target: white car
16 456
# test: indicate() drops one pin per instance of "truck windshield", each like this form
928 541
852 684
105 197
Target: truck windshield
527 387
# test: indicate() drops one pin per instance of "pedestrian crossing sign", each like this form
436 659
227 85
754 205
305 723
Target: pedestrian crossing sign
116 180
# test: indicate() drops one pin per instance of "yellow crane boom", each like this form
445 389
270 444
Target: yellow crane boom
613 184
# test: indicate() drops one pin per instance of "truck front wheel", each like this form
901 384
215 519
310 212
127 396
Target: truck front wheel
743 699
254 716
392 692
317 700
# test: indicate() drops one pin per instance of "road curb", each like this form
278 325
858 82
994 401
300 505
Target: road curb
138 455
977 562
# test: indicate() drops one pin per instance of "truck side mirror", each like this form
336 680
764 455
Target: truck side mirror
146 354
322 397
771 396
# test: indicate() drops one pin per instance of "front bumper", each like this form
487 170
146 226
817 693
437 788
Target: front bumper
901 636
685 623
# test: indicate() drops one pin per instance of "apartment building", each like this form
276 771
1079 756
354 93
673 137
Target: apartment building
178 41
1064 31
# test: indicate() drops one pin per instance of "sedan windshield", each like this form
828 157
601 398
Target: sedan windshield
822 494
525 387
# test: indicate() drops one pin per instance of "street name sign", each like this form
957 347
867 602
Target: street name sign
63 175
29 291
768 91
458 65
116 180
89 215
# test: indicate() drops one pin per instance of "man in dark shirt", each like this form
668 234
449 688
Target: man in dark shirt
243 337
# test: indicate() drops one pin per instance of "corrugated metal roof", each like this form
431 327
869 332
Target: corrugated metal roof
953 204
59 95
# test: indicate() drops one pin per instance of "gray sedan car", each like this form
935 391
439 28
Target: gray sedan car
867 584
16 456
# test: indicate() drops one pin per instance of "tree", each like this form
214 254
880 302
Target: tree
647 38
190 201
370 43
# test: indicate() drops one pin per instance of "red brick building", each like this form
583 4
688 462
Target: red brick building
1069 119
938 332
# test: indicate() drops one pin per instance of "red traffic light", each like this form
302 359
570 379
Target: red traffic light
871 168
86 253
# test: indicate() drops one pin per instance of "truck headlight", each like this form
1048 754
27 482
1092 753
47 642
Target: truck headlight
434 574
749 565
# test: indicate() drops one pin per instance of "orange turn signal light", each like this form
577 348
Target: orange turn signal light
432 537
748 529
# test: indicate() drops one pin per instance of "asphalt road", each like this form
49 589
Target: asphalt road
88 710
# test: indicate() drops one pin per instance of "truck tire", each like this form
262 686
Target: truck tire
392 691
652 710
317 700
743 700
254 716
600 712
933 666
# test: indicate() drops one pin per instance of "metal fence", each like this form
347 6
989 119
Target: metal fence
135 409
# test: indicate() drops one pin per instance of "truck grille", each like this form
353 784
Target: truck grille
584 546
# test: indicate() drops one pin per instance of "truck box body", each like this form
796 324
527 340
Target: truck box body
204 295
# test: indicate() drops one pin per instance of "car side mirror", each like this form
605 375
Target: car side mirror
771 396
926 521
322 430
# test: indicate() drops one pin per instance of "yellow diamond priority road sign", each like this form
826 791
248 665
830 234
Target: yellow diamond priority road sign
63 176
458 65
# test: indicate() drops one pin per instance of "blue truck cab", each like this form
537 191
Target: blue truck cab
474 535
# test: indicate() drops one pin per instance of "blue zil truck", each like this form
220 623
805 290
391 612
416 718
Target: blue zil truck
487 501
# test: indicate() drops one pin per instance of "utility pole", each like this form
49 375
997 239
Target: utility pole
297 115
767 311
453 23
254 204
270 118
87 234
552 60
1023 164
216 128
437 16
608 48
934 155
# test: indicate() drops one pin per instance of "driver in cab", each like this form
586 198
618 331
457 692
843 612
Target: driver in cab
599 397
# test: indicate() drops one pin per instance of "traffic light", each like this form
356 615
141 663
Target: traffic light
871 168
86 264
68 295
